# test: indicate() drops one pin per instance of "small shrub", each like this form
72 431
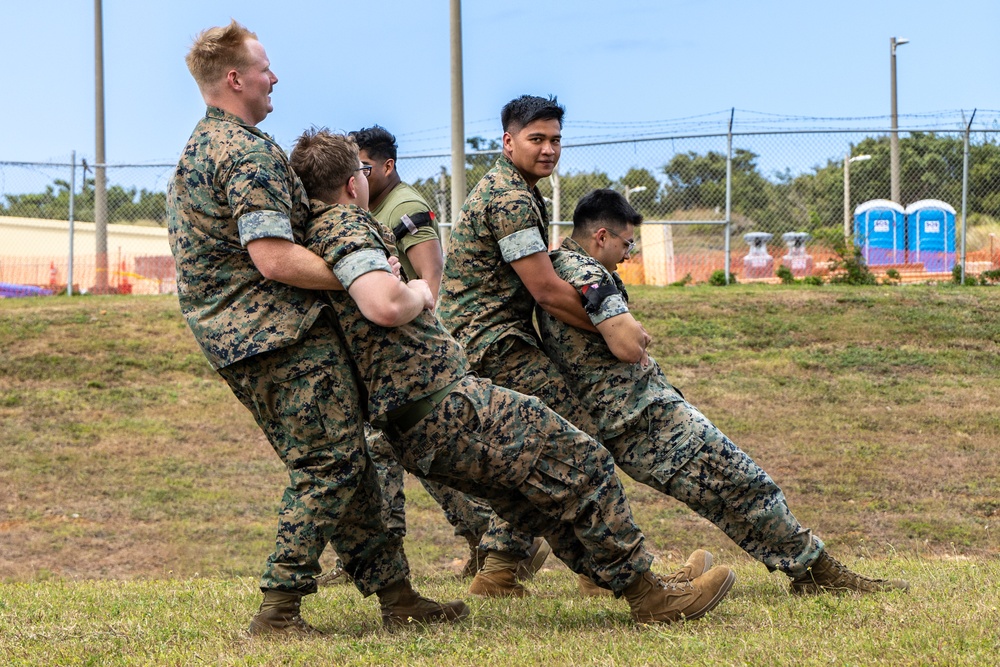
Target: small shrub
718 278
989 277
785 273
686 280
813 280
892 277
855 271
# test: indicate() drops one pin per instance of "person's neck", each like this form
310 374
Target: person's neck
230 107
530 180
394 181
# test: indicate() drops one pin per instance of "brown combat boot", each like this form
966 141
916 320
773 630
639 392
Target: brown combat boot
477 558
497 584
401 606
697 564
655 601
279 614
828 574
532 563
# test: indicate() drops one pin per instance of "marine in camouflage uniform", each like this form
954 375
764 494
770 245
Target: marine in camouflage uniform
489 310
445 424
234 196
272 343
656 436
660 439
403 210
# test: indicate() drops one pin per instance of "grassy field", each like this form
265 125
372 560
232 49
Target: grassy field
138 498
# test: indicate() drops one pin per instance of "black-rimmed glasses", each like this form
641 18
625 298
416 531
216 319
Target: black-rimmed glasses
366 169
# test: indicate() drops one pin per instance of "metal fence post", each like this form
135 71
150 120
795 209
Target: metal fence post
965 189
729 190
72 202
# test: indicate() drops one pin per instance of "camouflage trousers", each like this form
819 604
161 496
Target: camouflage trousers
305 400
514 363
536 470
469 516
676 450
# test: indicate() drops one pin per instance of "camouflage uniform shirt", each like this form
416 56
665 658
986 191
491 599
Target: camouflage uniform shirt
233 184
398 364
483 299
615 393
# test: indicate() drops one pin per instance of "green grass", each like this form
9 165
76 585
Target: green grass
138 498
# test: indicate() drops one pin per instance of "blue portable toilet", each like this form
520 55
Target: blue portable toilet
879 226
930 228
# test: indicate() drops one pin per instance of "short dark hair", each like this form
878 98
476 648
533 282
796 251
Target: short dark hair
377 141
527 109
604 208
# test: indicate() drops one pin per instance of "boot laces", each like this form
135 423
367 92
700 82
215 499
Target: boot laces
671 585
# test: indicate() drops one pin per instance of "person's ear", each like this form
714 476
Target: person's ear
352 187
233 79
388 166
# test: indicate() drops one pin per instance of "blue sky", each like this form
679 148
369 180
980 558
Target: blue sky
631 66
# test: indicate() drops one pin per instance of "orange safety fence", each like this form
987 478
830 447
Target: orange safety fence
126 274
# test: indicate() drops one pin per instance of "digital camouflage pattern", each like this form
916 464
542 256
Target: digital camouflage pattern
537 471
489 310
274 346
663 441
468 515
615 394
424 357
305 400
232 185
498 444
482 298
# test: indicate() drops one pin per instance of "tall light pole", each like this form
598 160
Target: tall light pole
847 195
894 136
457 115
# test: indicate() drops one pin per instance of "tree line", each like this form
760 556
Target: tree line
689 183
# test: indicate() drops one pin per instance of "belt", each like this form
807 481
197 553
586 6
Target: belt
403 419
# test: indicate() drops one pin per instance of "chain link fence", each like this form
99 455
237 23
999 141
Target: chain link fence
739 204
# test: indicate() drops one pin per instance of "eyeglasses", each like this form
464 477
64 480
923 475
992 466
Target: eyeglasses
630 244
366 169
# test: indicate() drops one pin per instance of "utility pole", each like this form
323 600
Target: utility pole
457 115
100 176
894 136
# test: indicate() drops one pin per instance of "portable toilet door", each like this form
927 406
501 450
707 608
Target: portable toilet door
930 225
879 226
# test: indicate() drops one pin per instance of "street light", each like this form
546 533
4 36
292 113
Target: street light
894 136
638 188
847 195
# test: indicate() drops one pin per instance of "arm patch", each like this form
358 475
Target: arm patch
409 224
595 294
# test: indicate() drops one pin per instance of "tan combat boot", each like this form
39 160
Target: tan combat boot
828 574
502 573
500 583
697 564
279 614
532 563
477 558
655 601
401 605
